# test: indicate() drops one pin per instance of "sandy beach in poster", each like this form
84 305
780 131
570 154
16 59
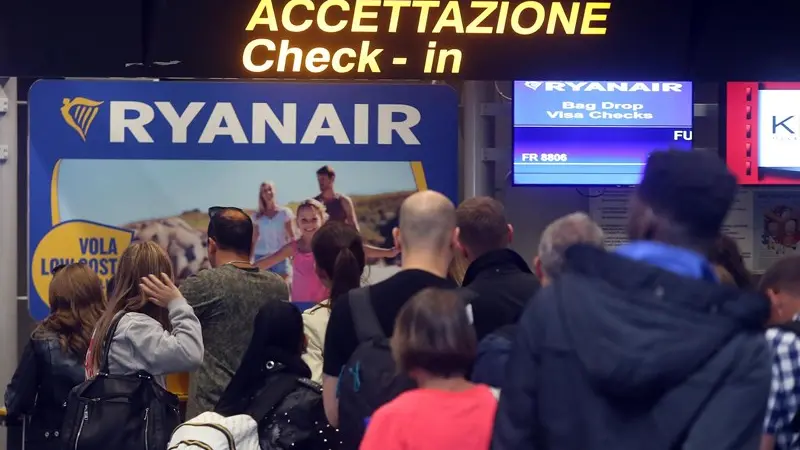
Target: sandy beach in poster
167 200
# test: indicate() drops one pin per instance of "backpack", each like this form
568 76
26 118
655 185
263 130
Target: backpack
213 431
286 414
120 412
370 378
298 422
493 353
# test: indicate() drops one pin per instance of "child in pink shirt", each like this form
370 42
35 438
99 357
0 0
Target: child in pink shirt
435 344
306 285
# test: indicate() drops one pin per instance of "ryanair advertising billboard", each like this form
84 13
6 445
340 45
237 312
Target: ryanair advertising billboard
115 162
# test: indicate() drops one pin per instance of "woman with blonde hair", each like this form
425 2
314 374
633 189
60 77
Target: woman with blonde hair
458 268
158 332
52 362
273 227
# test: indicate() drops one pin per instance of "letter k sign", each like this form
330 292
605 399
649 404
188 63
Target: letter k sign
782 123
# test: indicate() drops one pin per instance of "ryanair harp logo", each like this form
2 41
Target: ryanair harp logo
79 113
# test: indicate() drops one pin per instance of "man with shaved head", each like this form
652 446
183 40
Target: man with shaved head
425 238
226 299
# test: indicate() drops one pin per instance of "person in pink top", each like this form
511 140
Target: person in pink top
435 344
306 285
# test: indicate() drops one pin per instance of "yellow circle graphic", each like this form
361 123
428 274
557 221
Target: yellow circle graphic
98 246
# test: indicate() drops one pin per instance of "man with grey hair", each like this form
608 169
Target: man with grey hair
575 228
426 237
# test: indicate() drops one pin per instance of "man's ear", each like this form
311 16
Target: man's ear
537 268
396 236
212 246
510 233
776 306
458 246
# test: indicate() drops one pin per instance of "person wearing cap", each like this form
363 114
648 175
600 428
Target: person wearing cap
643 348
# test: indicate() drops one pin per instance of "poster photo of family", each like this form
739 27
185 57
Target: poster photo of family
167 201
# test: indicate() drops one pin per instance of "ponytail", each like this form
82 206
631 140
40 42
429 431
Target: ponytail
346 274
339 254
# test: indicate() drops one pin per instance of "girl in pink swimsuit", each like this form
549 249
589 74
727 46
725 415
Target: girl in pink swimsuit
306 285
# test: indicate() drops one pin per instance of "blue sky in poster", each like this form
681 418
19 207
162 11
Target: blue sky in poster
168 187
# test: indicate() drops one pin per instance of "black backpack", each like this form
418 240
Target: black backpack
291 416
370 378
119 412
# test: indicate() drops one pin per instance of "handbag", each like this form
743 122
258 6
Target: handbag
119 412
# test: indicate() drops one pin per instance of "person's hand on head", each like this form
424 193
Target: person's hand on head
160 291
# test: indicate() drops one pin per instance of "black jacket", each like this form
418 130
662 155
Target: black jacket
40 387
618 354
503 284
298 420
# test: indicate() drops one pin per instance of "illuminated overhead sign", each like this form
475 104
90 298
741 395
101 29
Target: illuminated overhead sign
429 19
669 40
423 39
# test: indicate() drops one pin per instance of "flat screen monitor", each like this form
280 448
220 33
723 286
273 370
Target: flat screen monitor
763 132
596 133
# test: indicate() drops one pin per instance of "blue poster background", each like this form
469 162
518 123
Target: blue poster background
53 139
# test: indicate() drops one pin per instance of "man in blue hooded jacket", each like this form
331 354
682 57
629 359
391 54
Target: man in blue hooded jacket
643 348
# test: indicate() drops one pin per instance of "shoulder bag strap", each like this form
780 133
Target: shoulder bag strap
271 396
365 320
112 329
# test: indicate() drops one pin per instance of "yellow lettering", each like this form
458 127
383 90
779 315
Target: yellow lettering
558 14
317 59
517 27
258 18
396 6
475 26
590 16
322 16
360 14
501 19
286 16
368 59
284 53
451 17
337 60
247 56
424 9
443 55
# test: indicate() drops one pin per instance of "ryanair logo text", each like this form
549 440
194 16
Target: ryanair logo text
131 121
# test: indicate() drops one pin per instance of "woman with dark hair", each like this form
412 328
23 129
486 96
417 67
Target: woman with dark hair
340 260
434 344
726 254
277 342
52 362
273 371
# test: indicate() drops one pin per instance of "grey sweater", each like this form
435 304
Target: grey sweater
141 343
226 299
